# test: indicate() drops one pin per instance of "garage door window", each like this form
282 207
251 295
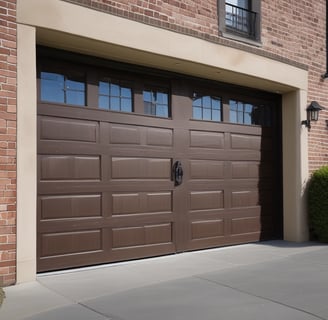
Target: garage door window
156 103
206 108
113 96
249 114
60 88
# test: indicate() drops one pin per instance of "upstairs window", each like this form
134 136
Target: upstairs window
240 19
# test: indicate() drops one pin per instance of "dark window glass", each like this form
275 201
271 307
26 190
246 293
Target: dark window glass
113 96
60 88
239 18
246 113
206 108
156 103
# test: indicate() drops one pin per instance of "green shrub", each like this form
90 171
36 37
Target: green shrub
318 204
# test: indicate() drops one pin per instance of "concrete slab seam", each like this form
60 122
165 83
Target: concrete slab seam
260 297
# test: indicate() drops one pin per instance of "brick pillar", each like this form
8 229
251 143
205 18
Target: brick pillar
8 80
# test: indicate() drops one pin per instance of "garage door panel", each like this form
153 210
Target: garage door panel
68 130
207 169
245 225
64 167
141 168
142 235
243 199
70 206
207 229
205 200
245 169
70 242
137 203
207 139
248 142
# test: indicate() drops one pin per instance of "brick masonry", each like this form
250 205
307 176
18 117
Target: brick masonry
7 142
292 31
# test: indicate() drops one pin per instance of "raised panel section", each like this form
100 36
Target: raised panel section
141 168
131 203
206 169
245 225
70 206
207 229
143 235
159 137
68 129
120 134
244 170
240 199
206 200
245 142
70 242
70 168
206 139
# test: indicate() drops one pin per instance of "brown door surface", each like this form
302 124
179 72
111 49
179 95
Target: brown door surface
107 192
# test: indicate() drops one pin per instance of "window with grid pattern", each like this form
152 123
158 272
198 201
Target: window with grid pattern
156 103
113 96
207 108
62 88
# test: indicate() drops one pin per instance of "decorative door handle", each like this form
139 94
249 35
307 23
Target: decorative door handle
177 173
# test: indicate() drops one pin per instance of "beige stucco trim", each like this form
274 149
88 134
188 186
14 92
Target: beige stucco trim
62 25
295 165
173 50
26 154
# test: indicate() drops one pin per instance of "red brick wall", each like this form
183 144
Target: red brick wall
7 142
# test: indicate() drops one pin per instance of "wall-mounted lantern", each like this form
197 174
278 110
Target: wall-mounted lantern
312 113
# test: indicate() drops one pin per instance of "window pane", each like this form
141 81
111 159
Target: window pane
207 108
162 111
207 114
52 87
233 116
75 97
114 90
103 88
156 103
197 102
206 102
126 105
104 102
147 96
115 104
197 113
75 85
126 92
216 115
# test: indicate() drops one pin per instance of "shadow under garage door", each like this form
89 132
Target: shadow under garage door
134 164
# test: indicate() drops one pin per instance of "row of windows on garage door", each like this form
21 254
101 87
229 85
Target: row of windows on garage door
134 162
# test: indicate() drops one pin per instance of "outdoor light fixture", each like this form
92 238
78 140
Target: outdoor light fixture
312 113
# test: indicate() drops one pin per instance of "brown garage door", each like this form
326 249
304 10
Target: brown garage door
112 147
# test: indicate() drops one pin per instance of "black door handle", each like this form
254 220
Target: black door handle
177 173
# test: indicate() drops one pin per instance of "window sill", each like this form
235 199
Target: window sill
235 37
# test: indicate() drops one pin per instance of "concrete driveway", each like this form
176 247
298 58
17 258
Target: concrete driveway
267 280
